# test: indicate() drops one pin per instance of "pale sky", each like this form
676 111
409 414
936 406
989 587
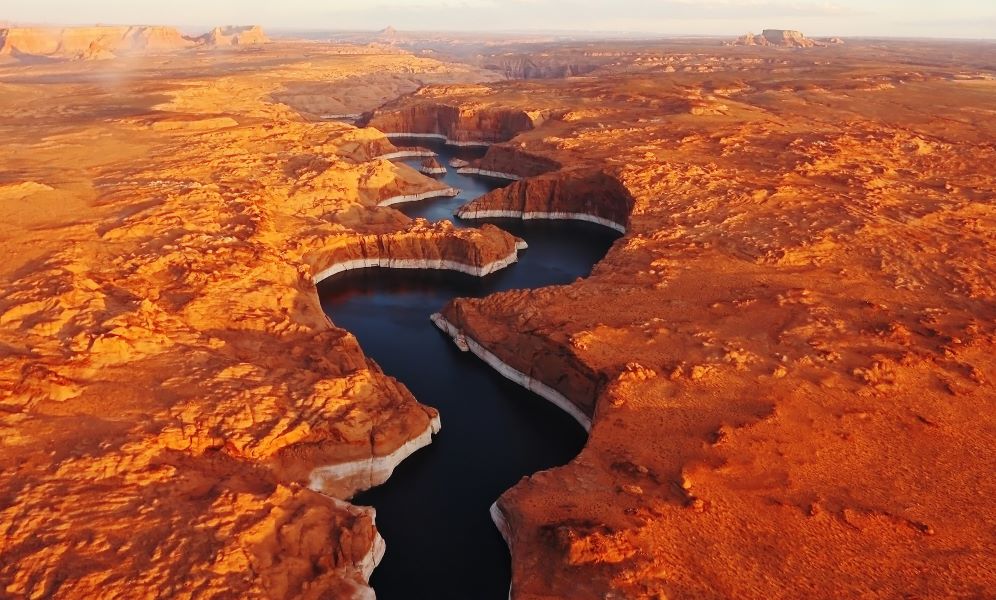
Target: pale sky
930 18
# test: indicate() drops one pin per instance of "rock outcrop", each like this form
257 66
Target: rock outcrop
220 37
510 159
73 42
423 245
525 66
595 197
783 38
431 166
470 125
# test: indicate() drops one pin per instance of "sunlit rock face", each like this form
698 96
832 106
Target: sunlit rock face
234 36
457 124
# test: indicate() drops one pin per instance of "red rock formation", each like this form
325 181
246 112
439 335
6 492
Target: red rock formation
509 158
562 194
431 166
234 36
422 245
466 124
74 42
169 383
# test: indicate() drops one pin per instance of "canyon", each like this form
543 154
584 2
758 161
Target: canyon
784 365
495 432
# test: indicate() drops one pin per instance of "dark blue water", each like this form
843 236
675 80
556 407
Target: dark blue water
470 186
433 512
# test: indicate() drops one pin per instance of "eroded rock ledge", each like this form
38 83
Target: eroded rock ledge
595 197
423 246
505 161
520 374
542 364
422 116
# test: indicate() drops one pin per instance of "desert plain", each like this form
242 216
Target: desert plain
785 363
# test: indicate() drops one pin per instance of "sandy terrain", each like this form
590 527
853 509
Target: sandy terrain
787 360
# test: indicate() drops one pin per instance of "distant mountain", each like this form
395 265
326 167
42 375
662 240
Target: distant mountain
234 36
784 38
98 42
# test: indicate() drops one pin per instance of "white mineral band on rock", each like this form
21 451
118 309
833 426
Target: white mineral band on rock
486 173
406 154
372 558
421 263
436 136
446 192
374 470
498 518
525 216
539 388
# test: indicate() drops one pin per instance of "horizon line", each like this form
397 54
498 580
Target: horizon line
592 34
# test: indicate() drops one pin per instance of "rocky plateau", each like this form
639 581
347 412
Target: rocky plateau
785 365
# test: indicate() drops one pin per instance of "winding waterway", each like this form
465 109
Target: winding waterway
433 512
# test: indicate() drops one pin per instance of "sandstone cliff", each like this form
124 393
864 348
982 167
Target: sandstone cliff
431 166
594 196
77 41
234 36
464 124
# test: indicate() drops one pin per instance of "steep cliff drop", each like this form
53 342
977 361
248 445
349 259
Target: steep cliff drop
459 125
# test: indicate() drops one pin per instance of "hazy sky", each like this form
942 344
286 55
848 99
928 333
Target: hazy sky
934 18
